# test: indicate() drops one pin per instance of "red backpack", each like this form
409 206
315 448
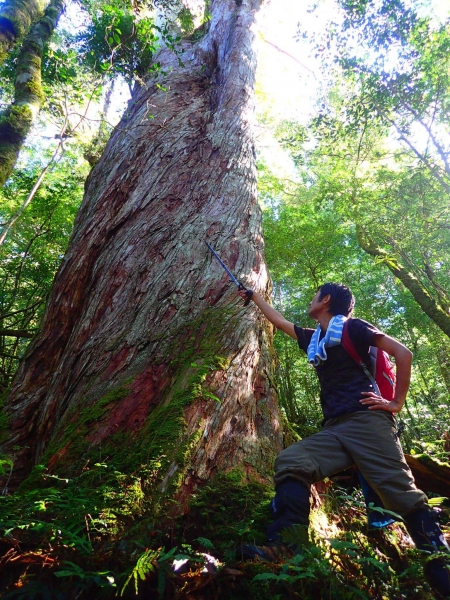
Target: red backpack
380 371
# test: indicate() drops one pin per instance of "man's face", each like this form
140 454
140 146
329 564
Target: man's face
317 306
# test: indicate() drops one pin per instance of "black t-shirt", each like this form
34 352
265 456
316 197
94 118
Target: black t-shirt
341 379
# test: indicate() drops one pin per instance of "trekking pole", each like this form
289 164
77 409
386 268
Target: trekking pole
248 293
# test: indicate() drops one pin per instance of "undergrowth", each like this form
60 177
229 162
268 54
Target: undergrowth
97 536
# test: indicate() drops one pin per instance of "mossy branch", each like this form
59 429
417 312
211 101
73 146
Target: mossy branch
16 120
16 18
423 298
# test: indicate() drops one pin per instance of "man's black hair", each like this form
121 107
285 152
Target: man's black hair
342 300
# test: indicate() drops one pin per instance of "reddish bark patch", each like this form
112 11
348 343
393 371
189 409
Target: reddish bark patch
131 412
213 295
257 263
58 456
117 276
171 310
183 495
252 474
259 387
116 363
195 411
233 254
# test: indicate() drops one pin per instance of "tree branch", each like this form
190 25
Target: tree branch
426 302
20 333
287 54
15 312
420 156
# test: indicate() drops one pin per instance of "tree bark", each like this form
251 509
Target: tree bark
16 18
16 120
429 474
146 354
427 303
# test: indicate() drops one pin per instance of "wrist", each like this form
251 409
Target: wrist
255 297
398 403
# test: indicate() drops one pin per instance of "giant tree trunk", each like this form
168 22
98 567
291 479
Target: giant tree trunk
143 333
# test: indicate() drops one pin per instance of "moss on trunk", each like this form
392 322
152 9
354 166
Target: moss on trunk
16 18
17 119
421 295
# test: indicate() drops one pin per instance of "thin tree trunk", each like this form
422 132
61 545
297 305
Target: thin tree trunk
16 18
16 120
423 298
95 149
146 354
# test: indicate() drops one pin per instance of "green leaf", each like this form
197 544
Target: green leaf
342 545
265 576
384 511
205 543
437 501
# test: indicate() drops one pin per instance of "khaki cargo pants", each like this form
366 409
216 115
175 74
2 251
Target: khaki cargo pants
367 439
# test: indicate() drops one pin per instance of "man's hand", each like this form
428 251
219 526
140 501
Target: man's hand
270 313
244 294
376 402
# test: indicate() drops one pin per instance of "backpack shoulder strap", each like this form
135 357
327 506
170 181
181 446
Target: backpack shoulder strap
348 345
350 348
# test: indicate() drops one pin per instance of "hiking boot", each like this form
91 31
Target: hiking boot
423 527
289 508
271 552
437 573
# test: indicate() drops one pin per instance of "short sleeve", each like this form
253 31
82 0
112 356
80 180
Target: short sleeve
304 336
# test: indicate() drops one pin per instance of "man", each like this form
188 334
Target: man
358 427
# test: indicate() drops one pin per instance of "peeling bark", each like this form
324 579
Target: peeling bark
16 18
427 303
143 333
16 120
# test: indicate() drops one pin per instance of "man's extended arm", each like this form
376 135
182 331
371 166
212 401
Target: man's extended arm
403 360
271 314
